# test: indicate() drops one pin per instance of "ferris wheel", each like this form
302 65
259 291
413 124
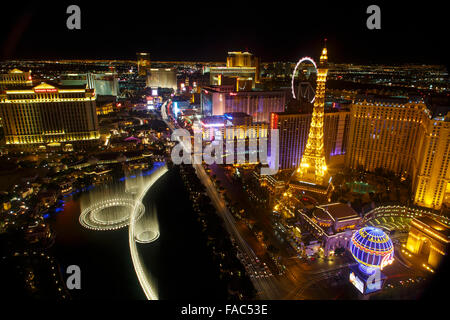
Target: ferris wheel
297 67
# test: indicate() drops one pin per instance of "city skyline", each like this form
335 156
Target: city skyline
224 151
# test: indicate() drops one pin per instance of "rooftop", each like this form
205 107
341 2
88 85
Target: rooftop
45 87
339 211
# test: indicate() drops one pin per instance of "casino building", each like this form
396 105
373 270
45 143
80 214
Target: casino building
373 250
48 115
333 224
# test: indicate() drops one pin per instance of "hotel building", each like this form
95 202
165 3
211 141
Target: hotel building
402 136
143 63
386 134
162 78
431 182
242 66
105 83
15 77
48 115
218 100
293 135
235 125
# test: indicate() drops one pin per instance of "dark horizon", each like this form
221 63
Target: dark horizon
206 32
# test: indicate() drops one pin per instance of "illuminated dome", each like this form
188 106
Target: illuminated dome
372 249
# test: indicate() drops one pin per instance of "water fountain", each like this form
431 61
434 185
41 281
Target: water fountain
116 205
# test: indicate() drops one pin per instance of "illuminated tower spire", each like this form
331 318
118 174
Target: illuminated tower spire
313 166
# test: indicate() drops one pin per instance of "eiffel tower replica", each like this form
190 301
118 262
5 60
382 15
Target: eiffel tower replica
312 173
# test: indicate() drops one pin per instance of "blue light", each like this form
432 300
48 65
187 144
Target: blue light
372 249
176 110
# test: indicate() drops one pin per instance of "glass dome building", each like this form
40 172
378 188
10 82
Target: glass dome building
372 249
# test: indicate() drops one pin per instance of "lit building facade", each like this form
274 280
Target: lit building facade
431 183
273 183
333 224
15 77
240 65
429 239
143 63
402 136
48 115
105 84
231 126
239 59
105 108
386 134
293 135
162 78
258 104
373 250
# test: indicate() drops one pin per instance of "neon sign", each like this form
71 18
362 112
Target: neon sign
45 90
387 260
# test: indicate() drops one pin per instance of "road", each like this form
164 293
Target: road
236 194
311 279
266 287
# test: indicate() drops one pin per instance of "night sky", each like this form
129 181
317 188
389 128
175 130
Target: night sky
205 30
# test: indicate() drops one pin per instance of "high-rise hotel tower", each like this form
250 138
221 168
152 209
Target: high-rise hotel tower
431 184
242 66
402 136
386 133
143 63
293 135
48 114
